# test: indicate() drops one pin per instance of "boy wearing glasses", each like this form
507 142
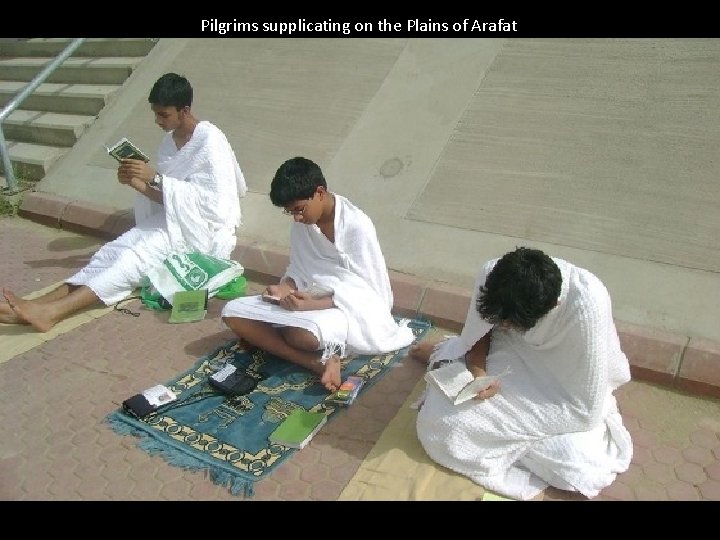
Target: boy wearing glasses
335 297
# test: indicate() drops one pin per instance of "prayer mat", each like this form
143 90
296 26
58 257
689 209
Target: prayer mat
228 435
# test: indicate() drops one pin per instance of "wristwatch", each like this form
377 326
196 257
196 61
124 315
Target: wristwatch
156 182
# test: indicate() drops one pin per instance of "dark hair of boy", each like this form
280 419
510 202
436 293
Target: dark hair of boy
171 90
523 287
296 179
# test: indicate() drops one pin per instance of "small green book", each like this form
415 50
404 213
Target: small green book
125 149
189 306
298 428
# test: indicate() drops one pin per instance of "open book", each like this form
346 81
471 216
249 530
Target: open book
457 382
125 149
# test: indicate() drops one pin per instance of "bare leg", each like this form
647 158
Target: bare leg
271 339
422 351
8 315
306 341
61 291
44 315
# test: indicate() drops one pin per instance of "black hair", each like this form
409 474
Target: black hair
295 180
171 90
522 288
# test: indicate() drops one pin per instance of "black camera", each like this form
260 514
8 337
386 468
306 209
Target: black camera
231 381
138 406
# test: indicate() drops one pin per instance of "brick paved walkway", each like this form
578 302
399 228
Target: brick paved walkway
54 398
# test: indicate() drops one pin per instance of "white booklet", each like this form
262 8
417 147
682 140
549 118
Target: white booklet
457 382
159 395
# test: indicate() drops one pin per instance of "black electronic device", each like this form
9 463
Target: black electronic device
231 381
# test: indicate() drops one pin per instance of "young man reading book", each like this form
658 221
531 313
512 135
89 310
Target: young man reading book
552 419
334 298
190 201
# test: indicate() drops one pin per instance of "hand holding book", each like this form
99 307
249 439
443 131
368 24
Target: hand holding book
125 149
458 383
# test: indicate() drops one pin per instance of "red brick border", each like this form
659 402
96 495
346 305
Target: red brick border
688 364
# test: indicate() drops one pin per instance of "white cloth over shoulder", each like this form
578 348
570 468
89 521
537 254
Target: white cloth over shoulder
200 212
202 187
354 268
555 420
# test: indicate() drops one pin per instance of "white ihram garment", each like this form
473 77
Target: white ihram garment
555 420
354 268
201 189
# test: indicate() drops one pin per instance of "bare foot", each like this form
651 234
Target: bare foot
331 379
8 316
422 351
29 312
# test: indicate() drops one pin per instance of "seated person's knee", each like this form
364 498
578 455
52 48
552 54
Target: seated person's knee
300 339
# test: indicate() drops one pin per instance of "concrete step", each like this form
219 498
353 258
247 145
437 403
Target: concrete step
51 120
87 99
114 70
32 161
52 129
45 47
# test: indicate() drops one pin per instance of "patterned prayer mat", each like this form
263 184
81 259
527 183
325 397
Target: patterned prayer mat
228 436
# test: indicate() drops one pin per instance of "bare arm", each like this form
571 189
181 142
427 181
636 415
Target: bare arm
302 301
475 360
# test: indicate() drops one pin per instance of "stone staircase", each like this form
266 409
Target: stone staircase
51 120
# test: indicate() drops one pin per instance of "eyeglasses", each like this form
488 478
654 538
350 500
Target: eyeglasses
298 212
295 212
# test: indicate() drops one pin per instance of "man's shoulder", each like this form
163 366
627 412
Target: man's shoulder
211 129
360 217
212 137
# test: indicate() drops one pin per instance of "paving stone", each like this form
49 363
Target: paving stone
299 491
661 473
682 491
696 454
324 490
710 490
667 455
267 490
314 472
705 438
618 491
642 455
651 491
713 470
691 473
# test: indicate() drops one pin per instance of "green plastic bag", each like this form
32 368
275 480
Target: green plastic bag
151 298
233 289
192 271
